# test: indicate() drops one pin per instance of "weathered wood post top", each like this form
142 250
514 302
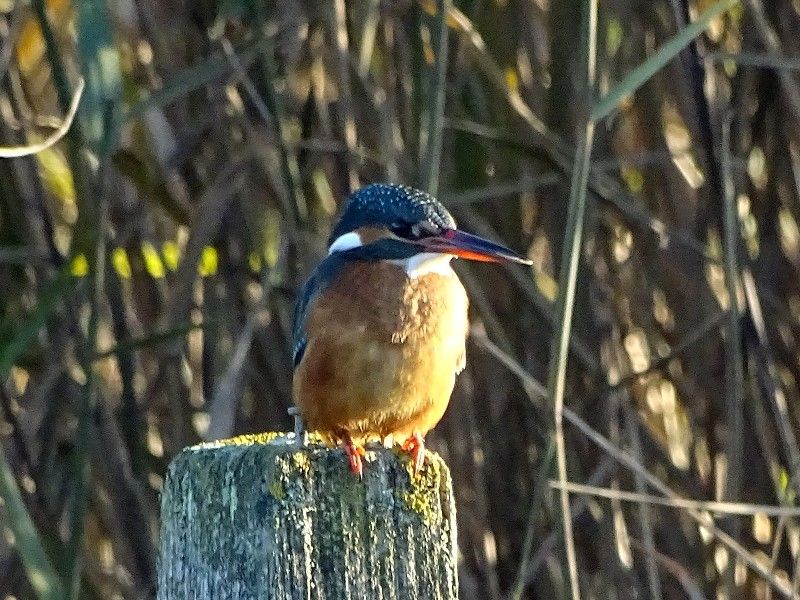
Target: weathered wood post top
259 517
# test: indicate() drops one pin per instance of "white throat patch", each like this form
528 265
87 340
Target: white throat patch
427 263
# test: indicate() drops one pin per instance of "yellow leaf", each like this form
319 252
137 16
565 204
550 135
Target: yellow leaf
547 285
57 177
254 261
209 261
634 179
79 267
172 254
30 46
614 35
512 81
429 6
119 259
152 261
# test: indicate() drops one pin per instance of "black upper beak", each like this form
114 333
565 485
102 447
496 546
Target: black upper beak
471 247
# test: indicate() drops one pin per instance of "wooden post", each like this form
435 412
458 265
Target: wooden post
258 517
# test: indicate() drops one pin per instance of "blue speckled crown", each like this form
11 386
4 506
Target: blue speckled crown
390 204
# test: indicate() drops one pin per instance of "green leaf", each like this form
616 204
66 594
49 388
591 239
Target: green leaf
41 574
23 335
636 78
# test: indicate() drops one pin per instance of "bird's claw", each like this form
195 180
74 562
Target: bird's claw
415 446
355 454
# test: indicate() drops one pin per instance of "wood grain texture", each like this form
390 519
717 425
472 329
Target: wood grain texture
258 517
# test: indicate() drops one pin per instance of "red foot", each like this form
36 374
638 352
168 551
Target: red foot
415 446
354 455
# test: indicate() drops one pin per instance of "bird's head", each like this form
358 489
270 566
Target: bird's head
396 222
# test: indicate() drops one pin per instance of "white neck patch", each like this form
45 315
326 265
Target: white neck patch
427 263
348 241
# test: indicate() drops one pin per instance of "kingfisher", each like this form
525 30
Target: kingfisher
381 324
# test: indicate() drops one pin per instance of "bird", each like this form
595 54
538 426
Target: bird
380 326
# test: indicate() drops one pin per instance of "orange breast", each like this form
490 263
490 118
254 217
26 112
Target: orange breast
382 351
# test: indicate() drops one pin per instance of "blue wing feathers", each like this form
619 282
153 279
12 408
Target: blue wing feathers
317 283
327 271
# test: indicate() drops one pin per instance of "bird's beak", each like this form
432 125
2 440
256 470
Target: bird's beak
471 247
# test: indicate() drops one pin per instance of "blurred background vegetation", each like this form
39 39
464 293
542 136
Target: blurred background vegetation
149 261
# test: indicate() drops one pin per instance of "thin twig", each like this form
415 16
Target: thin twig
769 37
674 568
734 361
567 285
755 59
530 529
728 508
338 28
766 373
697 335
557 149
275 102
431 131
223 405
636 78
236 63
645 515
53 138
777 538
537 392
521 277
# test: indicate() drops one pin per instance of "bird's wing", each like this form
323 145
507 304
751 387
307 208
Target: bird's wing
318 282
326 273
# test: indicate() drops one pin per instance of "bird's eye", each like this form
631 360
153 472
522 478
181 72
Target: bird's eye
401 229
414 231
423 229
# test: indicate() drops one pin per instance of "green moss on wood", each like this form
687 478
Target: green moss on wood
277 491
423 490
248 439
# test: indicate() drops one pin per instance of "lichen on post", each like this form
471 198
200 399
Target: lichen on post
258 517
